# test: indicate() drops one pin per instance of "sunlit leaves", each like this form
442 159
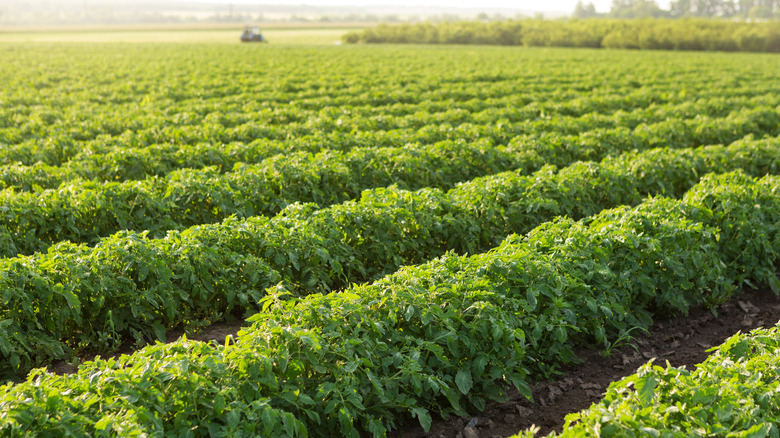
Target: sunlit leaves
443 337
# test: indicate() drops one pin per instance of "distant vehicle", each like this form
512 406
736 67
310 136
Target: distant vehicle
252 35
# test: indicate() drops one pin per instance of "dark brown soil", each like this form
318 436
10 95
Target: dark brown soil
681 340
214 332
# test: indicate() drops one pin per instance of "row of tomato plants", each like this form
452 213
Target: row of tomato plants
399 94
126 156
194 122
443 337
732 393
75 299
84 211
351 129
59 111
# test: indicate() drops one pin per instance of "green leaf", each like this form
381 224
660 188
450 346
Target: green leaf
757 431
72 299
233 419
376 428
463 380
774 284
219 404
5 341
159 331
104 423
424 417
143 272
646 389
531 298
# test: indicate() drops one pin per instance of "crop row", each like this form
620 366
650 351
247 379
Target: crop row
95 97
218 125
85 211
443 337
55 112
48 164
396 92
75 298
733 393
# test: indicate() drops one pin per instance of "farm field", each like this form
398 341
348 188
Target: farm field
224 33
410 231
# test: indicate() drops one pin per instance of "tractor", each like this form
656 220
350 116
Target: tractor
252 35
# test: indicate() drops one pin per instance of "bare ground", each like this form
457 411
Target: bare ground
215 332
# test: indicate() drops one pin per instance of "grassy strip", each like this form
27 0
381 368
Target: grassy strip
132 288
443 337
732 393
83 212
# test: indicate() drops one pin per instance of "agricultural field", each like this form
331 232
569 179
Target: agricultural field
405 235
221 33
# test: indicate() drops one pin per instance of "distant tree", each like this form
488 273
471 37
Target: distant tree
681 8
743 7
636 9
760 12
764 9
585 11
483 16
710 8
728 9
706 8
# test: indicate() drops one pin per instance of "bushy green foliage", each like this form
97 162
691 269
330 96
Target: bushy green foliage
84 211
652 34
115 112
442 338
105 161
752 242
207 272
88 151
98 138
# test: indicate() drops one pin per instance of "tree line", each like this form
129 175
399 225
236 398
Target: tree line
744 9
702 34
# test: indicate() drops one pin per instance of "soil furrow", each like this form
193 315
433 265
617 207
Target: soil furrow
682 340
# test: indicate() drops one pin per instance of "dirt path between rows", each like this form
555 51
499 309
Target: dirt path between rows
217 332
681 340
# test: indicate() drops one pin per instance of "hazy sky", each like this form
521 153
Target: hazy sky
547 5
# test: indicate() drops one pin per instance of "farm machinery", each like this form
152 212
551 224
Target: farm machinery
252 35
